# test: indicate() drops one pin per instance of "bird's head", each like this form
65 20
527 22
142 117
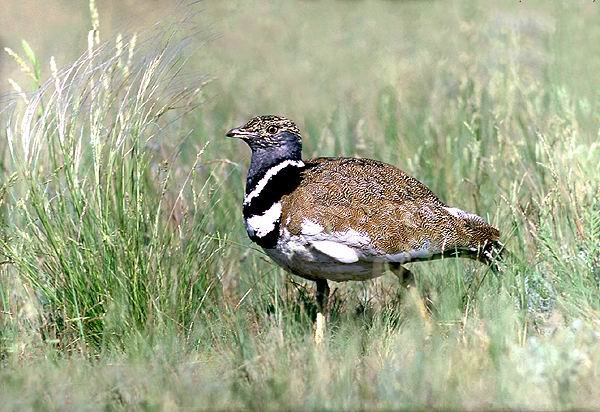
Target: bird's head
269 133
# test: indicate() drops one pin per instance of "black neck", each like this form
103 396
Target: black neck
275 171
265 158
272 175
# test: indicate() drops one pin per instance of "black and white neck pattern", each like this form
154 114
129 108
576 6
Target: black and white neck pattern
262 203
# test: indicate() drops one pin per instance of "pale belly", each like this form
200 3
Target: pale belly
298 255
322 267
339 256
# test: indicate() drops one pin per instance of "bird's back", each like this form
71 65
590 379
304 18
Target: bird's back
379 208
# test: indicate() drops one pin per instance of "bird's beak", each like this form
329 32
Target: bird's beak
237 132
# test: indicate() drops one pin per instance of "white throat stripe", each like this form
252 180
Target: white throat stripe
262 225
270 173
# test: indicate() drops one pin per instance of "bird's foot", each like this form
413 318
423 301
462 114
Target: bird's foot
320 328
322 297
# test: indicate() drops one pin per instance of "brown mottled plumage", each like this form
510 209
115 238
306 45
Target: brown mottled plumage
396 210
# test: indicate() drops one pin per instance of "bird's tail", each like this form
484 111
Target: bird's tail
484 242
492 253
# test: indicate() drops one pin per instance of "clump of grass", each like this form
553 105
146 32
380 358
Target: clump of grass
104 242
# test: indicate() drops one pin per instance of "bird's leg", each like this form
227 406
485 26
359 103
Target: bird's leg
406 277
322 298
407 280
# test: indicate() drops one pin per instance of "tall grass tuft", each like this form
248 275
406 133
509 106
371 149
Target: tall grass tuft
98 241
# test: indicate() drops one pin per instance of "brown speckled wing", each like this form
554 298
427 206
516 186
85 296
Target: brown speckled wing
397 211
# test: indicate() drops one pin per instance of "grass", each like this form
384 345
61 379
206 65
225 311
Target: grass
126 277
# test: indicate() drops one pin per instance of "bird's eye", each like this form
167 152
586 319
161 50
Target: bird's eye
272 129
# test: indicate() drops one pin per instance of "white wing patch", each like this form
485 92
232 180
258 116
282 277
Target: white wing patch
454 211
402 257
262 225
338 251
344 247
310 228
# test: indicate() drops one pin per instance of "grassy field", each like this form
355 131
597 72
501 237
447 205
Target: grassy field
127 281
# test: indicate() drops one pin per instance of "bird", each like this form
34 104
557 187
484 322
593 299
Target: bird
347 218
